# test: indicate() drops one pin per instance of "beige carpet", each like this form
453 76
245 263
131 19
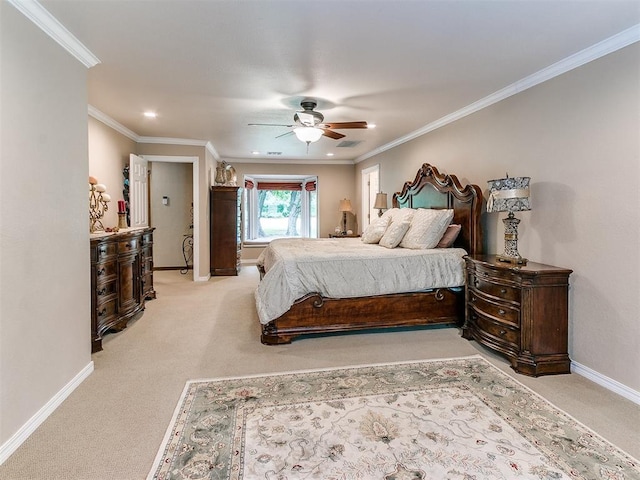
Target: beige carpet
112 425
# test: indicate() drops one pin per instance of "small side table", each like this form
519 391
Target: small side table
346 235
520 311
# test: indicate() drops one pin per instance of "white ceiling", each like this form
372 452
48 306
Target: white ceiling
210 67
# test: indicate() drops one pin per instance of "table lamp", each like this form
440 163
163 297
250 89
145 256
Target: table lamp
510 194
380 203
345 206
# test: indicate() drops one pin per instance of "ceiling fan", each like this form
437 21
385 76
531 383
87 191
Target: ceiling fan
309 126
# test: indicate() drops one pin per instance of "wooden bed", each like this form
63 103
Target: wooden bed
313 313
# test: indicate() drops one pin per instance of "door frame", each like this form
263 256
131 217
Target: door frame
195 161
365 200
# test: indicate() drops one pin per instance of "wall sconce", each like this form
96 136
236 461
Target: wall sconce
345 206
509 195
380 203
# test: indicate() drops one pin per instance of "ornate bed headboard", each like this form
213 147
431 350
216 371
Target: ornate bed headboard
431 189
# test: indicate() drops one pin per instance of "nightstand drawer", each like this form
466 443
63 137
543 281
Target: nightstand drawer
499 311
499 331
483 282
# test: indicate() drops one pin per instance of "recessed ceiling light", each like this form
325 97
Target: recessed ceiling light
150 114
371 125
255 152
329 154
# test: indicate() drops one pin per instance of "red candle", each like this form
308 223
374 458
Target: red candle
121 206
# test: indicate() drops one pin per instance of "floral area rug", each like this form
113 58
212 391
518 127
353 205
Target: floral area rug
434 420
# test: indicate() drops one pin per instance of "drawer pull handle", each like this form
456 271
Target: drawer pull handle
501 312
102 291
128 245
102 312
102 271
473 299
503 333
103 250
503 290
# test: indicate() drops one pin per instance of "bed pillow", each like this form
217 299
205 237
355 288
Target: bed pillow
393 236
450 235
375 230
399 214
427 227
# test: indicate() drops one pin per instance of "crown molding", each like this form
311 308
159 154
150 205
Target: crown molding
173 141
110 122
41 17
289 161
600 49
212 150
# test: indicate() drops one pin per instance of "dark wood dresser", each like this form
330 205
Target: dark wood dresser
121 280
520 311
225 230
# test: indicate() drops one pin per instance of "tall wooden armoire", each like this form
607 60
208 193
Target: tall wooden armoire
225 230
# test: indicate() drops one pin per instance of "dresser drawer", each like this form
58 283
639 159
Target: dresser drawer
483 282
106 271
500 332
105 291
106 311
499 310
103 250
129 245
147 238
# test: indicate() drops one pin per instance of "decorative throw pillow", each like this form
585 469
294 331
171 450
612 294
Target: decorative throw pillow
393 236
450 235
390 213
427 227
375 230
399 214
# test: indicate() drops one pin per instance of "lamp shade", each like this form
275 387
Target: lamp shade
381 200
345 205
510 194
308 134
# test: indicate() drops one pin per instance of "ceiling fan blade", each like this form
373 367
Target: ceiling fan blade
339 125
331 134
285 134
269 125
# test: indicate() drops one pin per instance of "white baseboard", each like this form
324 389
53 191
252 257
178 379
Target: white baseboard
34 422
248 262
203 279
606 382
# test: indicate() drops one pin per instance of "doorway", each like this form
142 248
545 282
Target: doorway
196 202
370 187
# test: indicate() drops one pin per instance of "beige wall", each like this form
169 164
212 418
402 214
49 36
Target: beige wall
334 183
578 137
108 155
171 221
44 246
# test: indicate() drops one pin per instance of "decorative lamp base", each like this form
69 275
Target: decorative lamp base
511 254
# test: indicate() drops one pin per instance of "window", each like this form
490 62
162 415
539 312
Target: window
280 207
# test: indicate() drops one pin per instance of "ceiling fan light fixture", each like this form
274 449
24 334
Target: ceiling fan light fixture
308 134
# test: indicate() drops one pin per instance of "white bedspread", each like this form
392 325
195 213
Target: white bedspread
346 267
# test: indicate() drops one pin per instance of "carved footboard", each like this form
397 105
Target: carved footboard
316 314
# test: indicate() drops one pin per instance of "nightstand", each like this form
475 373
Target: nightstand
520 311
346 235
